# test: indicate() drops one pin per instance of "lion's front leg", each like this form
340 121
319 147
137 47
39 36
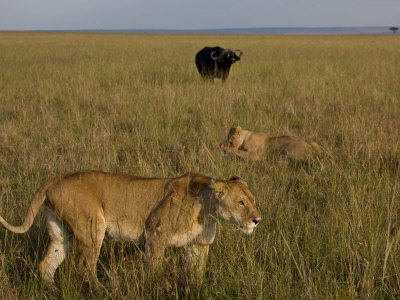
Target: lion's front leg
154 254
196 260
244 154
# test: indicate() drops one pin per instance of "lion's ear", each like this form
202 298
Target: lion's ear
219 187
231 131
239 129
238 179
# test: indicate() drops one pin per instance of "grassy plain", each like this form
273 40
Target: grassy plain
124 102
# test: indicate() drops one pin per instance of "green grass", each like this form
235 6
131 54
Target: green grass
124 102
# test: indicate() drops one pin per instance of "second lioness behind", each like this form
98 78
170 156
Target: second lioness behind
256 144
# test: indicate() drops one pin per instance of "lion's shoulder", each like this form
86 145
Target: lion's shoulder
191 183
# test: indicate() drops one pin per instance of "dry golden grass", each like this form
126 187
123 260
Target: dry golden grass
124 102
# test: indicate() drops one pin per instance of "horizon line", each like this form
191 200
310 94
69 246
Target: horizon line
215 28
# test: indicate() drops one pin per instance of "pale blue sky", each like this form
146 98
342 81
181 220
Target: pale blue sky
194 14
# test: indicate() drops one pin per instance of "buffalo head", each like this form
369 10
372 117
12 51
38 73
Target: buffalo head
227 55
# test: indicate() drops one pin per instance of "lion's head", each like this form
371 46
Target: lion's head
235 138
236 203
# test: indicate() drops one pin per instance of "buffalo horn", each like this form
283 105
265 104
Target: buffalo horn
240 52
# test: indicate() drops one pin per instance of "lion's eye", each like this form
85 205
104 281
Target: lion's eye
241 203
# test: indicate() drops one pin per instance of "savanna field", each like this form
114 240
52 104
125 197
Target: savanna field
126 102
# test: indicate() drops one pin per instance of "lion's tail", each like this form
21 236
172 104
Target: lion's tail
36 203
315 147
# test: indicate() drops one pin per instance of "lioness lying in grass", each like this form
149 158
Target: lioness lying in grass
256 144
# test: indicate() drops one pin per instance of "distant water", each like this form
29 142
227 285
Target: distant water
260 30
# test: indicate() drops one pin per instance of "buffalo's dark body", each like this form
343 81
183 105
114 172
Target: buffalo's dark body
216 62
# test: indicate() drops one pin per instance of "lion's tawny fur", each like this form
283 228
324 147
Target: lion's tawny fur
256 144
167 212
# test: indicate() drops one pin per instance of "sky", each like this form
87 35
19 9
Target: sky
194 14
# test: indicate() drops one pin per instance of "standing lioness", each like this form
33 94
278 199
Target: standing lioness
170 212
256 144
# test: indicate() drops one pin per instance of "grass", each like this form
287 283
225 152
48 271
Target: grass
125 102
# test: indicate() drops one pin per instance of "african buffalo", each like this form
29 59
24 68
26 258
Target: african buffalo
215 62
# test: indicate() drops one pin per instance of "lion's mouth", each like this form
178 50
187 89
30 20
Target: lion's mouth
250 226
246 228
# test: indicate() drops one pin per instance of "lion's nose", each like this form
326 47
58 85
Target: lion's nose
256 220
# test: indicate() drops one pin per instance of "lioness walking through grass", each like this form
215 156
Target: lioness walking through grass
168 212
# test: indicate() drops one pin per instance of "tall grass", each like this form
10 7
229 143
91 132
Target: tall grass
125 102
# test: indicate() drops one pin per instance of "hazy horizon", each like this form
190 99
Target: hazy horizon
194 15
381 30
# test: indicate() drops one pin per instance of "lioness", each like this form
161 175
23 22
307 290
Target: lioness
168 212
254 145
